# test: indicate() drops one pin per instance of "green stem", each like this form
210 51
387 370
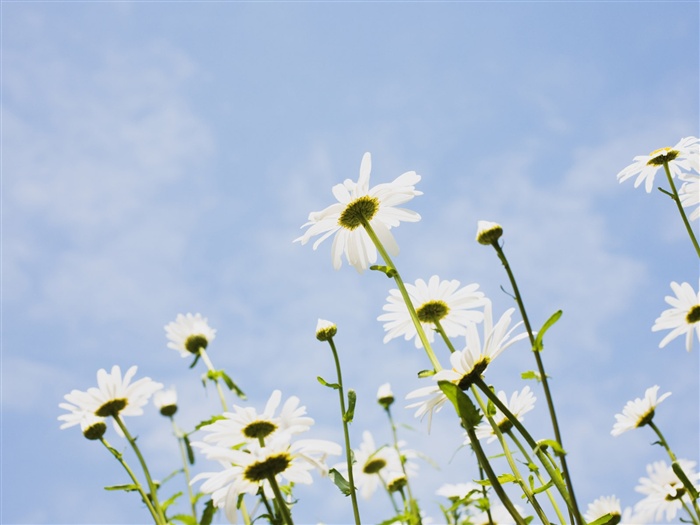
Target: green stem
151 485
509 458
185 465
483 491
413 504
205 357
346 433
677 200
404 294
442 332
281 503
696 520
136 482
545 384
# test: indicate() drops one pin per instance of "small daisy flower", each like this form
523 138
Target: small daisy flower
325 330
683 318
681 157
435 302
92 426
665 493
245 425
115 395
488 232
602 506
520 403
639 412
689 193
385 396
166 401
189 333
458 491
469 364
357 202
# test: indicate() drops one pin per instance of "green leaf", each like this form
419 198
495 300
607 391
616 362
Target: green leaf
605 518
196 358
231 385
389 272
531 374
340 482
507 478
350 412
539 346
170 500
463 405
208 513
544 443
543 487
334 386
188 447
208 421
692 491
126 488
426 373
184 518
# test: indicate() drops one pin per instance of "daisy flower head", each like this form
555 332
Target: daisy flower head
245 425
357 206
115 395
92 426
488 232
602 506
385 396
639 412
469 364
664 492
682 318
166 401
519 404
189 334
689 193
325 330
436 301
681 157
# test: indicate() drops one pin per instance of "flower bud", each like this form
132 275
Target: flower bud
166 402
488 233
385 396
325 330
93 427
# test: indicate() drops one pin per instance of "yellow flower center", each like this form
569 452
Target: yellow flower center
111 407
432 311
373 466
195 343
468 379
693 314
270 466
661 156
259 429
358 211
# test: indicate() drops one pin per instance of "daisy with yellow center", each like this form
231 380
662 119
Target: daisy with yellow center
684 316
639 412
189 334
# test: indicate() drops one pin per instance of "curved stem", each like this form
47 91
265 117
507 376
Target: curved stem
545 384
404 294
151 486
677 200
136 482
346 433
281 503
442 332
185 466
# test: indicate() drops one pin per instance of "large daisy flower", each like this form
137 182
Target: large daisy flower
681 157
245 425
114 394
665 493
189 333
436 301
246 471
639 412
683 318
519 404
689 194
357 202
471 363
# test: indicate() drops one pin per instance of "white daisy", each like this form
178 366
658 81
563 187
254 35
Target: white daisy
166 401
520 403
92 426
434 301
683 318
245 425
470 363
115 395
245 471
357 202
689 193
189 333
639 412
602 506
385 396
681 157
488 232
665 493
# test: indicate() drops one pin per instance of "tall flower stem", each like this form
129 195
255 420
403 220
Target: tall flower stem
346 433
677 200
205 357
185 465
137 484
443 334
543 376
509 458
151 485
404 294
281 503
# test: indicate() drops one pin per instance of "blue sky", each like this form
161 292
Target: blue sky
159 158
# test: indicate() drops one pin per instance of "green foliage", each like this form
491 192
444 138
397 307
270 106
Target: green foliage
539 345
350 412
334 386
464 406
340 482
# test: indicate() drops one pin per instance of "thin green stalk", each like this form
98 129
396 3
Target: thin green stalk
676 198
346 433
696 520
391 497
205 357
413 504
136 482
404 294
509 458
442 332
543 376
483 491
185 465
151 485
281 503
